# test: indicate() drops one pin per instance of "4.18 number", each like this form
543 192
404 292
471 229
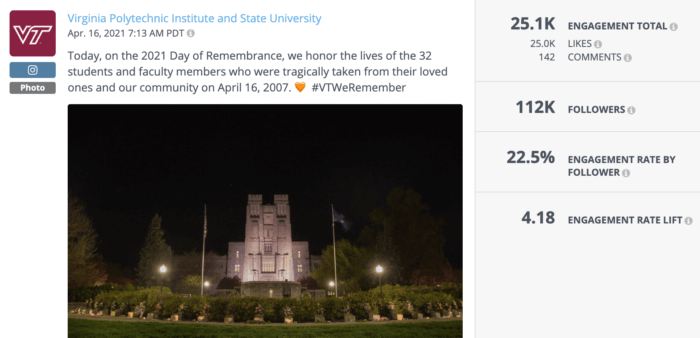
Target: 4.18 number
549 218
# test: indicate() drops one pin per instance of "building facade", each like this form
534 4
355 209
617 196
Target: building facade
268 252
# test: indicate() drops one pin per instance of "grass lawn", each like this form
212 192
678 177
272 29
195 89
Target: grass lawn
99 328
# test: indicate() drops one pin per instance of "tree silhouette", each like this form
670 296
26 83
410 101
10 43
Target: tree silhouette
85 266
154 254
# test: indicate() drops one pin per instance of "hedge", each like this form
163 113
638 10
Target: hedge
304 308
452 289
84 293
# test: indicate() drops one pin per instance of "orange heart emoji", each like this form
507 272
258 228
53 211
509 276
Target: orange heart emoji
300 86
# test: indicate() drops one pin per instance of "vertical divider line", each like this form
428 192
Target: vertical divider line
475 211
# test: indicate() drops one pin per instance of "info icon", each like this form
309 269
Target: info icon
32 33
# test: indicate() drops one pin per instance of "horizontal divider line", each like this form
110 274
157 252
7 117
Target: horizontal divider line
588 192
592 81
586 131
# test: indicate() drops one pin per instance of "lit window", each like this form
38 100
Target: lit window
268 267
298 254
268 247
299 268
236 254
238 268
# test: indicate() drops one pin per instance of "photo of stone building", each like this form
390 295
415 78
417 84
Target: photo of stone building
268 253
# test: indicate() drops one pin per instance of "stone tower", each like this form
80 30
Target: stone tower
268 253
268 240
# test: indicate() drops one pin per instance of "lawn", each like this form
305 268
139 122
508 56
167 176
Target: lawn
99 328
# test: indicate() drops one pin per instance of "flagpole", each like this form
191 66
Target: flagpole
335 267
203 243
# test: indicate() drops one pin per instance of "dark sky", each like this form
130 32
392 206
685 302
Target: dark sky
128 163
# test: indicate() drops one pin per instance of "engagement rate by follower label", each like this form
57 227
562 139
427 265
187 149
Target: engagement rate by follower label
586 161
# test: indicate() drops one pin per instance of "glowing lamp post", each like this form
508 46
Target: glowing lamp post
332 284
162 278
379 271
206 284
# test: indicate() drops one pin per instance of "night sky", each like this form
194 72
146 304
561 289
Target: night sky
128 163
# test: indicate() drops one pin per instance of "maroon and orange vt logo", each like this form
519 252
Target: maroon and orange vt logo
32 33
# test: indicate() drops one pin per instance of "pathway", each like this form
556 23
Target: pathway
125 319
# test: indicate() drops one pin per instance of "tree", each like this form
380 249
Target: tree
85 265
190 263
154 254
119 275
191 284
387 255
101 267
417 235
445 275
228 283
353 266
308 282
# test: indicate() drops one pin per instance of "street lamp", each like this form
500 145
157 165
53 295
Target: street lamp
379 271
162 278
331 283
206 284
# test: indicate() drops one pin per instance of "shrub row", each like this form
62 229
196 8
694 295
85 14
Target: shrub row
452 289
304 308
83 293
